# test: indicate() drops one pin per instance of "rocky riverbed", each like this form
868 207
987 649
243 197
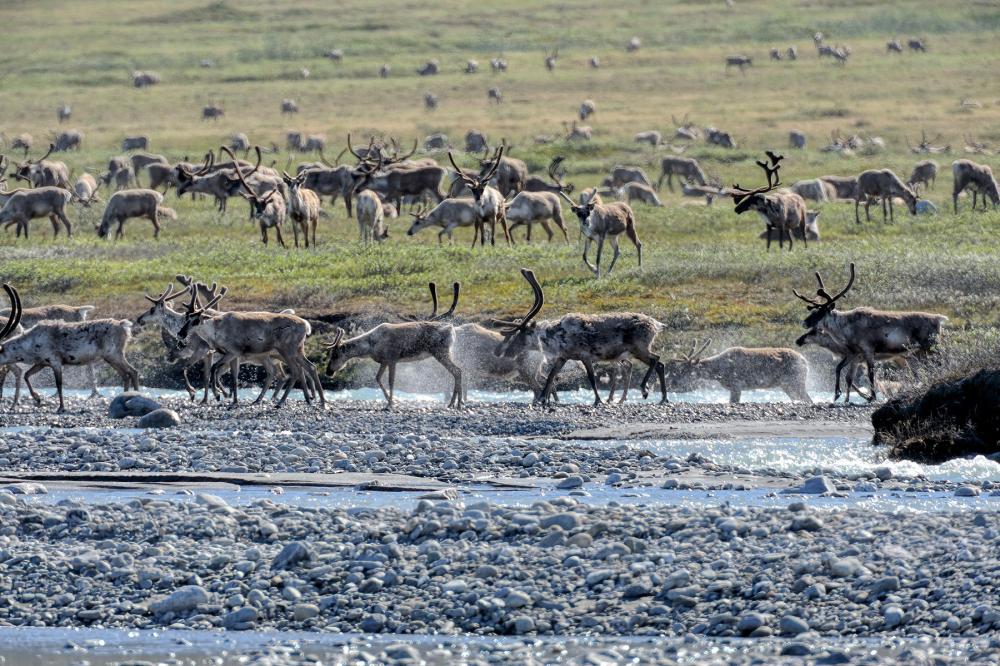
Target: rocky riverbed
806 580
555 567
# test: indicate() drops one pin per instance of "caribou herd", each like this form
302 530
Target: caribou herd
497 191
532 350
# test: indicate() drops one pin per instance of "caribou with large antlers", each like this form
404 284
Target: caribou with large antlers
43 172
239 335
781 210
585 338
489 201
866 333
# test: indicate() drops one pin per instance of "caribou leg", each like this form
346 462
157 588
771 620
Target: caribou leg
586 247
27 382
392 383
589 367
378 380
614 245
456 372
550 381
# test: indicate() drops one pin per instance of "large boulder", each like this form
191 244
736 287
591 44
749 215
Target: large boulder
131 403
952 419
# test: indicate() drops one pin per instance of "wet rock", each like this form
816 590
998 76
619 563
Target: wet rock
182 600
131 404
292 554
160 418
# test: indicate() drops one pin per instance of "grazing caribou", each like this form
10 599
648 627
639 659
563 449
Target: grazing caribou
978 177
882 184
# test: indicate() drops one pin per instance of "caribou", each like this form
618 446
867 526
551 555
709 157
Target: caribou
24 205
390 344
238 335
600 222
57 344
31 317
133 203
740 369
540 205
685 168
781 210
978 177
303 206
489 202
885 185
867 333
585 338
43 172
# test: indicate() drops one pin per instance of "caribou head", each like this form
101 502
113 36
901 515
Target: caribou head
521 334
679 372
820 306
160 305
751 199
195 313
22 171
478 184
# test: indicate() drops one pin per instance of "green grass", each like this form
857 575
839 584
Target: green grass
704 269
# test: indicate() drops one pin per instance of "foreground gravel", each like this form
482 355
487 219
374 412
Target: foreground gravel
556 567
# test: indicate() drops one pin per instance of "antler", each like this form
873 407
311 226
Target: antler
211 303
434 301
455 287
553 171
512 327
14 318
336 340
460 172
827 300
487 171
741 195
167 294
52 147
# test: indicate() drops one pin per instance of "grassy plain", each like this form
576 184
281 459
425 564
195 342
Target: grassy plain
705 271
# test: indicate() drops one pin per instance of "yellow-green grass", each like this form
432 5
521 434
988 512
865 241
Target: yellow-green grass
704 267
